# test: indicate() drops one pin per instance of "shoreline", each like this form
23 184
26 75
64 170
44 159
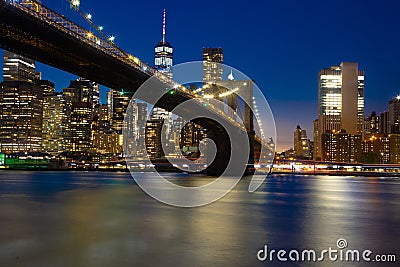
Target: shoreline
335 173
330 173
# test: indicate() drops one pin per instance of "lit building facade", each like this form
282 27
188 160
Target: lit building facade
394 148
153 139
317 141
81 127
371 124
163 52
56 124
21 114
376 149
213 58
82 97
340 101
104 140
86 91
163 61
341 147
21 106
191 135
18 68
301 143
394 115
118 105
141 128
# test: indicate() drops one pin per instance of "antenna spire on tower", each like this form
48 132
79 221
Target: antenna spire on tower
163 26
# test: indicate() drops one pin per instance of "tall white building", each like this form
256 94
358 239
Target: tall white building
163 60
163 52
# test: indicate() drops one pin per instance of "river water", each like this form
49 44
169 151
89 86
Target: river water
104 219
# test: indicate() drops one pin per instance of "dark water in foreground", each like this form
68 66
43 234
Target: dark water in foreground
104 219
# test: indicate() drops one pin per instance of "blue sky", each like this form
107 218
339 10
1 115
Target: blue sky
280 44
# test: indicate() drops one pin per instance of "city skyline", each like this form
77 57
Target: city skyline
276 47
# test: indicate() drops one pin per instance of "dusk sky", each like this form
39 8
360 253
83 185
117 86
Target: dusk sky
281 45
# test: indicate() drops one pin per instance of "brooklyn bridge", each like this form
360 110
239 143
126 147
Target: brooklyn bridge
33 30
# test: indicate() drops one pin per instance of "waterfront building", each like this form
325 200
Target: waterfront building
122 118
176 133
301 143
191 135
21 106
394 115
340 146
118 106
340 101
317 141
56 124
81 127
153 138
106 143
141 128
81 98
104 140
311 149
21 114
394 147
376 149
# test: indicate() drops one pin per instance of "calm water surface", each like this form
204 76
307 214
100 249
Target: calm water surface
104 219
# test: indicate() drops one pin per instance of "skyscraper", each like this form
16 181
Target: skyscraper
153 138
119 104
394 115
191 135
81 130
384 123
82 96
163 52
371 125
88 91
119 110
212 60
340 101
163 60
18 68
21 114
56 124
105 140
141 126
21 106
